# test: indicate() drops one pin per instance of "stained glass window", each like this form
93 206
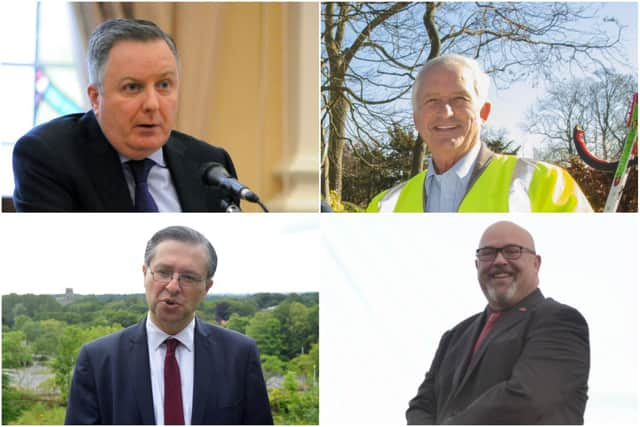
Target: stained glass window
38 76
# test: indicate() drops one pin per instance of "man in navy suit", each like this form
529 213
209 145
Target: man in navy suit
523 360
171 368
89 162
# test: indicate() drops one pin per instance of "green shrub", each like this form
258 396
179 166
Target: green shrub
42 414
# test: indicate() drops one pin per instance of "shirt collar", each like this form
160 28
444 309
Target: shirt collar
157 156
463 167
157 336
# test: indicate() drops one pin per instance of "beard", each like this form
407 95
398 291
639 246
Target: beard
502 299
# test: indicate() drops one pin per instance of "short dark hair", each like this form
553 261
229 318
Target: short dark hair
186 235
112 31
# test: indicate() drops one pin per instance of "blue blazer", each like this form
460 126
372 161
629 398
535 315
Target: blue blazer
112 382
67 165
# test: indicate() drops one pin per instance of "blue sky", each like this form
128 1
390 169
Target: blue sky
509 106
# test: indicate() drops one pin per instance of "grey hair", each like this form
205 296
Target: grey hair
185 235
112 31
480 78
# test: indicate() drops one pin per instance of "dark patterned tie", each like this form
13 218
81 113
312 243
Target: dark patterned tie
140 170
493 316
173 414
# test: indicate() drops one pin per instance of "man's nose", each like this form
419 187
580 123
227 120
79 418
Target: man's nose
500 259
174 284
445 109
150 99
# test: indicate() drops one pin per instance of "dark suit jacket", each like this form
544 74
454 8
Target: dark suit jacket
67 164
112 382
532 368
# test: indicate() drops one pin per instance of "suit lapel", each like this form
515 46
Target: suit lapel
509 319
106 171
506 321
185 173
140 373
206 366
464 350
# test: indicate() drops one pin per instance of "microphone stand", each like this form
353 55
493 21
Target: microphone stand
230 207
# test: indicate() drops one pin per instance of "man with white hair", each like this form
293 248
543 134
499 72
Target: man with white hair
450 107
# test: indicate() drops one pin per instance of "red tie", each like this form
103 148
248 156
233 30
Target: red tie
173 414
493 316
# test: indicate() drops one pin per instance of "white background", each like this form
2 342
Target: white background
396 284
103 253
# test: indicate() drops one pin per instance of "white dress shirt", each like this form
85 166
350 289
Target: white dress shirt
185 358
445 191
159 181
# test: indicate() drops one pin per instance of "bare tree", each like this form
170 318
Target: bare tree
610 97
345 89
555 115
371 52
599 104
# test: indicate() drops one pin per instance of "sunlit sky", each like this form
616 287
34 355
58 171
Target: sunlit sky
509 106
511 102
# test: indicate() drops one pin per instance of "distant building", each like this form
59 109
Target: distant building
68 297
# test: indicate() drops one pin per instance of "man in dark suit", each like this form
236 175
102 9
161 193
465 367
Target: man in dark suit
171 368
524 360
123 155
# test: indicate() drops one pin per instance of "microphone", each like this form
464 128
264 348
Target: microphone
215 174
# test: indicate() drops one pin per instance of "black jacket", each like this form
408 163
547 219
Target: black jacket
67 165
532 368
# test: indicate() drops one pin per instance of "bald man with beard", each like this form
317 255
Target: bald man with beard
523 360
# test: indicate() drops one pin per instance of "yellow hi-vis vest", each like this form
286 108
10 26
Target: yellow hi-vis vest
508 184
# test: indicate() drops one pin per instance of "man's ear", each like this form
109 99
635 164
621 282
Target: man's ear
209 285
94 97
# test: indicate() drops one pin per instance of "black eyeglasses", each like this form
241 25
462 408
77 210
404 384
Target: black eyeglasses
163 277
510 252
